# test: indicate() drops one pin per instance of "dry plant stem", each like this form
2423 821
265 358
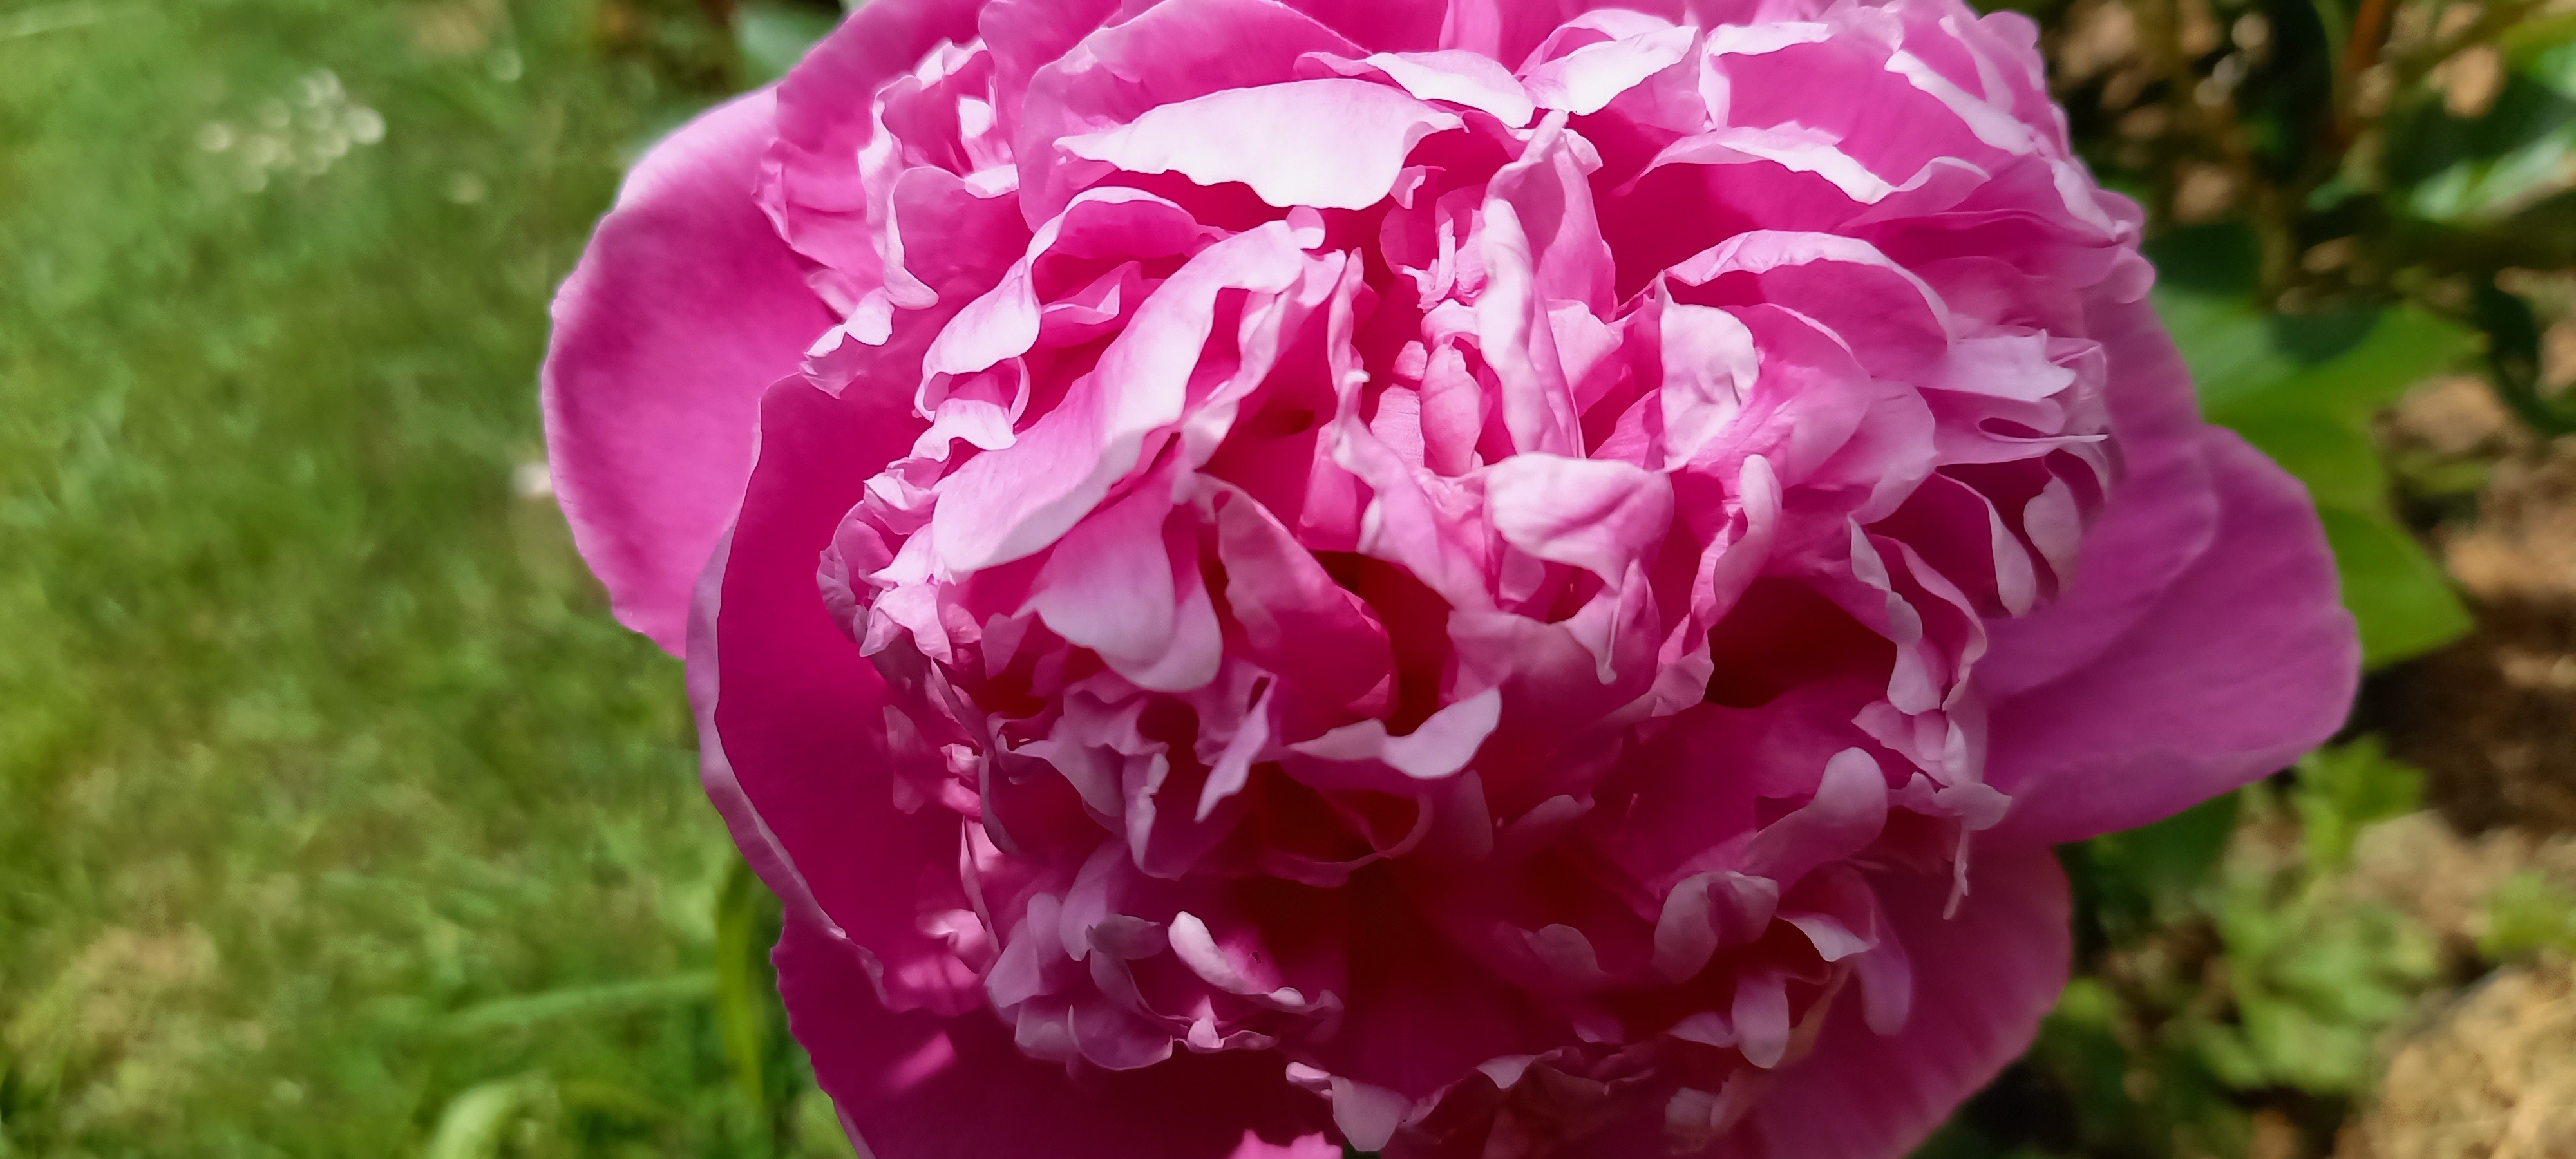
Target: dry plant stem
2361 51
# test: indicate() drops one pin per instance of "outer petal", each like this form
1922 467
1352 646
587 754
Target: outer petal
1982 980
2247 660
792 718
684 308
2161 518
914 1086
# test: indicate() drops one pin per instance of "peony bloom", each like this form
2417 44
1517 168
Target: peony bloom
1480 578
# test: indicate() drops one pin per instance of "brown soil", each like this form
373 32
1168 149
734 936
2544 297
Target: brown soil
2421 867
2492 719
2491 1077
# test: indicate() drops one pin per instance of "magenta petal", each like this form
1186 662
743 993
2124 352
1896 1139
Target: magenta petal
2246 661
809 179
1281 558
685 307
913 1086
2161 517
1381 25
794 719
1982 980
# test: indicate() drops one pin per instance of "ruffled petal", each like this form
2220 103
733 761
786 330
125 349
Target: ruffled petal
809 180
1332 143
1982 979
683 310
913 1086
2244 661
2160 519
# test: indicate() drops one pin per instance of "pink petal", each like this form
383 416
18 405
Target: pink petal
912 1086
1005 321
1981 982
1540 245
2160 519
1108 584
1383 25
1887 315
795 751
1008 504
683 310
1596 514
1026 35
1459 78
809 179
1173 51
2245 661
1332 143
1849 809
1295 619
1587 79
1509 30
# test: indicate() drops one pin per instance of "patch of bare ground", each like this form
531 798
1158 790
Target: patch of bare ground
2492 719
2490 1076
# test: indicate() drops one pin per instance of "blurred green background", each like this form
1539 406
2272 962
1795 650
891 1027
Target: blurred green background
337 817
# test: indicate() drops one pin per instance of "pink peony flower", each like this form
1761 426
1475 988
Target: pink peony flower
1471 577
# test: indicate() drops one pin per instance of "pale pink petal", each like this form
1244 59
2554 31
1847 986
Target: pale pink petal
1890 319
1588 78
1332 143
1007 504
682 311
1593 514
1449 75
1174 51
1005 322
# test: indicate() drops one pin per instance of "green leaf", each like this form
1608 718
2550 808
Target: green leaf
2331 455
2151 874
2398 595
2315 979
477 1123
746 996
2303 391
2544 50
773 36
2491 189
521 1012
2343 366
2343 788
819 1134
2527 913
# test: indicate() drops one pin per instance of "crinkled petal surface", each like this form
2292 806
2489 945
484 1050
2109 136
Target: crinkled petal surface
2243 663
1466 578
2200 647
1982 981
684 308
919 1087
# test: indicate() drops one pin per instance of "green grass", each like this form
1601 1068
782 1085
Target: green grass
328 790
